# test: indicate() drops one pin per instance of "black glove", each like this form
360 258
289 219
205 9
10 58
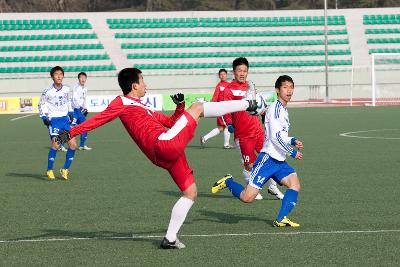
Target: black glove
63 137
252 109
178 98
46 121
84 112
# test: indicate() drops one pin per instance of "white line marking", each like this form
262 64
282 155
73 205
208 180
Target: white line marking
25 116
351 134
200 235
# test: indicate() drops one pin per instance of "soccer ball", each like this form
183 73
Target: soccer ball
262 105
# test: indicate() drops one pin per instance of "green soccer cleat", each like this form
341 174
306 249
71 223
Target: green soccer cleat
220 184
286 222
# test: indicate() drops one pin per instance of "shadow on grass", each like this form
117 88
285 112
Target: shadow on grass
153 237
229 218
27 175
178 194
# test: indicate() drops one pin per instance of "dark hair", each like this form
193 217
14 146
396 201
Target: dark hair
82 73
281 79
240 61
222 70
127 77
56 68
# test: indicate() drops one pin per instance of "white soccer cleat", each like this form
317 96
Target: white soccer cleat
202 141
274 190
259 197
62 148
85 148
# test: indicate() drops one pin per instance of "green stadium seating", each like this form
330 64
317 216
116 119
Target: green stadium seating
66 69
382 31
47 37
383 41
50 47
54 58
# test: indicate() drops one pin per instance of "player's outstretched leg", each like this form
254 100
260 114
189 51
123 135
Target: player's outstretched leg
246 176
69 157
289 201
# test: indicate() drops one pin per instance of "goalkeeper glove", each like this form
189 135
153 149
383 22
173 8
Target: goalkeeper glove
178 98
63 137
84 112
72 119
231 128
46 121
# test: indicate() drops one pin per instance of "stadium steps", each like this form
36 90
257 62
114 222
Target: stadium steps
227 34
240 53
300 63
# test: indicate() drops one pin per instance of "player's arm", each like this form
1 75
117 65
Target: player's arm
169 121
70 109
279 136
228 96
216 94
84 108
42 114
114 110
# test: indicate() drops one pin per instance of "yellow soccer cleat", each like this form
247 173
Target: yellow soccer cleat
220 184
286 222
50 175
64 173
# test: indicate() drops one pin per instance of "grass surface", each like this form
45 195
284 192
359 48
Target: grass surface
349 185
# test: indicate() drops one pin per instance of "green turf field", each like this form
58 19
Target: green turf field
348 208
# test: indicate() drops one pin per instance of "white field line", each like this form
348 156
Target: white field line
354 134
133 237
25 116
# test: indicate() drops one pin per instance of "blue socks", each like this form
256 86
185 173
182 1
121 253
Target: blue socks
83 139
234 187
69 158
50 158
288 203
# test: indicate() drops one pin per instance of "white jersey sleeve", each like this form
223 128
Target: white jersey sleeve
277 142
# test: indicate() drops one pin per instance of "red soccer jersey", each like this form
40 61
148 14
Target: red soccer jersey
245 124
142 123
219 92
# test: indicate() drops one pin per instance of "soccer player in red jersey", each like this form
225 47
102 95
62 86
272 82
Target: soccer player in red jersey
165 148
221 124
249 133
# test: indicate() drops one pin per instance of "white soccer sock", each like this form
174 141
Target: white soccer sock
217 109
178 216
246 175
271 182
211 134
227 135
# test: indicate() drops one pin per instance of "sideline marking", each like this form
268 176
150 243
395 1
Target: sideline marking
350 134
133 237
25 116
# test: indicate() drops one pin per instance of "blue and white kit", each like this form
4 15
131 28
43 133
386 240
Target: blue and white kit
79 103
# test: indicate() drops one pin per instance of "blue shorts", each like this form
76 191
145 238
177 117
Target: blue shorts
78 116
265 168
58 124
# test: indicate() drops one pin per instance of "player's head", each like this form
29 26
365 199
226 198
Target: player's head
223 75
284 87
240 69
82 78
131 82
57 74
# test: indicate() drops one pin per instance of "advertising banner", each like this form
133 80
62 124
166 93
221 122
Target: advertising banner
189 99
15 105
97 103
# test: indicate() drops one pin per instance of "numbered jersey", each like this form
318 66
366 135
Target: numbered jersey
79 97
57 102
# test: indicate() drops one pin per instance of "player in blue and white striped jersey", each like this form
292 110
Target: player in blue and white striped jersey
79 105
57 101
271 162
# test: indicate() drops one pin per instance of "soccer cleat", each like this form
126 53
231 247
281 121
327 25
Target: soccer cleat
166 244
85 148
202 142
228 147
259 197
274 190
64 173
62 148
220 184
286 222
50 175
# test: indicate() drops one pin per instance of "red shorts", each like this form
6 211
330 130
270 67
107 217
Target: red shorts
220 121
170 151
249 147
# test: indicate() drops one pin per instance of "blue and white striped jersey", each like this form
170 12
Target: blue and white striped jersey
277 142
57 103
79 96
